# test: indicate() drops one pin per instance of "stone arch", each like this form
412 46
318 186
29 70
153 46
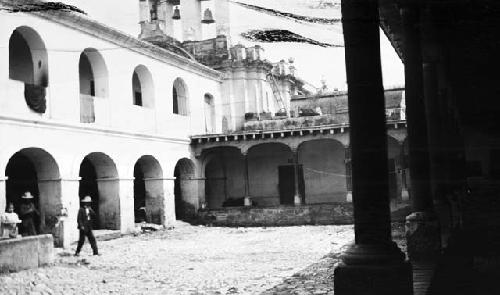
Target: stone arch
185 189
93 74
223 168
209 111
100 180
143 87
264 163
180 97
28 58
35 170
149 200
325 173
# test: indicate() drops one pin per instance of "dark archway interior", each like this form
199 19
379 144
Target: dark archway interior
22 177
137 89
88 187
87 81
20 59
175 101
139 194
184 190
215 183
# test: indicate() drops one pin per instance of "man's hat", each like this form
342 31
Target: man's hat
86 199
27 195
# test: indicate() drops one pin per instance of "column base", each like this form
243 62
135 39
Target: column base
348 197
373 270
297 201
422 236
247 201
405 195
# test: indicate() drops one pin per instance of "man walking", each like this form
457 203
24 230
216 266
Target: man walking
86 217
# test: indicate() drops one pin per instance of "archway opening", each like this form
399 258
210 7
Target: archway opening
180 98
28 60
224 177
93 82
324 166
28 63
186 197
34 170
271 174
99 180
93 74
148 191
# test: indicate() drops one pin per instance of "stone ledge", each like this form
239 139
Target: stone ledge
327 213
25 253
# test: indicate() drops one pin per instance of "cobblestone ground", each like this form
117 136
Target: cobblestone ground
195 260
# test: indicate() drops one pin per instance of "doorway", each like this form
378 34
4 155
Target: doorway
287 184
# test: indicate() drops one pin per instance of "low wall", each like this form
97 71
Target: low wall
26 253
331 213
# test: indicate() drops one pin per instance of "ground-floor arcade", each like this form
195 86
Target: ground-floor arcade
129 178
294 167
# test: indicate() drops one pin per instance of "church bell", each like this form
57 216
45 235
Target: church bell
207 17
177 13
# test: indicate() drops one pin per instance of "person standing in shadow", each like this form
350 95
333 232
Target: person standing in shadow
86 217
29 215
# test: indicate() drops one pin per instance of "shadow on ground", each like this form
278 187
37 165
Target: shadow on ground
317 278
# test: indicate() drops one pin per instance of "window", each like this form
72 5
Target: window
142 87
180 103
137 89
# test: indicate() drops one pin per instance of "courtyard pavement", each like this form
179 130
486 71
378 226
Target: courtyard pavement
195 260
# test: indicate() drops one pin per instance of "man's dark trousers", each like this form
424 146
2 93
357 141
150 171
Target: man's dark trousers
90 235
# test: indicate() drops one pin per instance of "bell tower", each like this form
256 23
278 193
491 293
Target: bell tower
183 20
156 18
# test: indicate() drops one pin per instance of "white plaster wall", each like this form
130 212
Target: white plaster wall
191 18
122 131
263 163
64 47
324 167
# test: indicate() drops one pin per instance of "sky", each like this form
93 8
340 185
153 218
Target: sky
313 63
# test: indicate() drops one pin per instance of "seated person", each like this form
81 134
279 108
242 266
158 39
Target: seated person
9 222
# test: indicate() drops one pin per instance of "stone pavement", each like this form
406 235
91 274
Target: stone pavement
196 260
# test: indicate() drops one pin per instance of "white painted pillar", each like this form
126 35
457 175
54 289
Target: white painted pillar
126 205
168 202
3 193
70 203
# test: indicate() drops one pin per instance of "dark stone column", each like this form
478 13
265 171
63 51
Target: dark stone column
248 200
297 199
422 228
374 264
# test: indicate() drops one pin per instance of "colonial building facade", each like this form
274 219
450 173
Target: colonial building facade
87 110
158 127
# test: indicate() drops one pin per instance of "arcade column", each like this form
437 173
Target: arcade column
422 227
373 264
